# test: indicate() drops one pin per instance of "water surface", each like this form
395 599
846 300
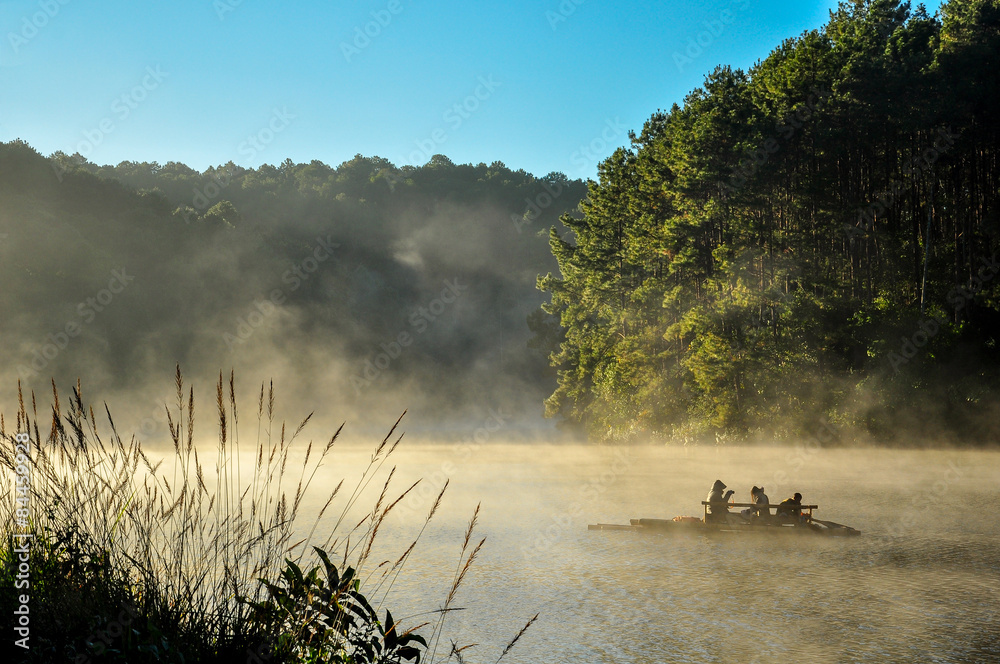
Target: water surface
920 585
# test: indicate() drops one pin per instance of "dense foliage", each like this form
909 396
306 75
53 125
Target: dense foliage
306 268
814 239
317 619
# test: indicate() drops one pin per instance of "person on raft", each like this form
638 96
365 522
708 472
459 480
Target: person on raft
719 507
760 502
790 506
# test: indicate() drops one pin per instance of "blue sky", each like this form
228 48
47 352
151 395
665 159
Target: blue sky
545 85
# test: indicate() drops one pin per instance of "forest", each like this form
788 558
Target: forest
363 287
806 248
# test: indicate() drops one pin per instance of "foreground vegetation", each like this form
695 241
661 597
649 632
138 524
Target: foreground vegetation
812 243
133 562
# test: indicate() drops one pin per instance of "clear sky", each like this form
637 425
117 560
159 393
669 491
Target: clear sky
544 85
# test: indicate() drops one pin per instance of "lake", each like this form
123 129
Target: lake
922 583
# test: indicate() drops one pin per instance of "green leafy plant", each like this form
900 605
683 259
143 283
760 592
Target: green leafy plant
322 616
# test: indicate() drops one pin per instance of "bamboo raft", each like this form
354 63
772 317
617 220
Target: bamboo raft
769 524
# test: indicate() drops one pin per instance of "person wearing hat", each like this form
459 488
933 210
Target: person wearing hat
719 508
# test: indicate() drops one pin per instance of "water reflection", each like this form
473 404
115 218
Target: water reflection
920 584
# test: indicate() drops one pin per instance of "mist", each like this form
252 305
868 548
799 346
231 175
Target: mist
920 578
779 271
361 291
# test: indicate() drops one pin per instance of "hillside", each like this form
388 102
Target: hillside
372 288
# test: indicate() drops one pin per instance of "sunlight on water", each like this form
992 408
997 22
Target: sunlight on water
920 584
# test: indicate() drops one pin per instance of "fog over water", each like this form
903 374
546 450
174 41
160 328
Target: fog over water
598 255
920 584
361 289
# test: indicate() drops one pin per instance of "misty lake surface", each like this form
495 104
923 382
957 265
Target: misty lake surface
922 583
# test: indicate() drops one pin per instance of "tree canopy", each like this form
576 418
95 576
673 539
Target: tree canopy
812 240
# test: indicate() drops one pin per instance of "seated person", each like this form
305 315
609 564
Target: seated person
719 508
790 507
760 502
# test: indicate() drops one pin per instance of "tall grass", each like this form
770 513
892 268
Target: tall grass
187 556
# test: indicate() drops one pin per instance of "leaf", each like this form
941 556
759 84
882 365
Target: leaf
332 575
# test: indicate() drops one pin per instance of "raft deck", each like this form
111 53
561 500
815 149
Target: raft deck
734 522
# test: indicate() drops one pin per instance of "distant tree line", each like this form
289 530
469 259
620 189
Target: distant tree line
306 268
